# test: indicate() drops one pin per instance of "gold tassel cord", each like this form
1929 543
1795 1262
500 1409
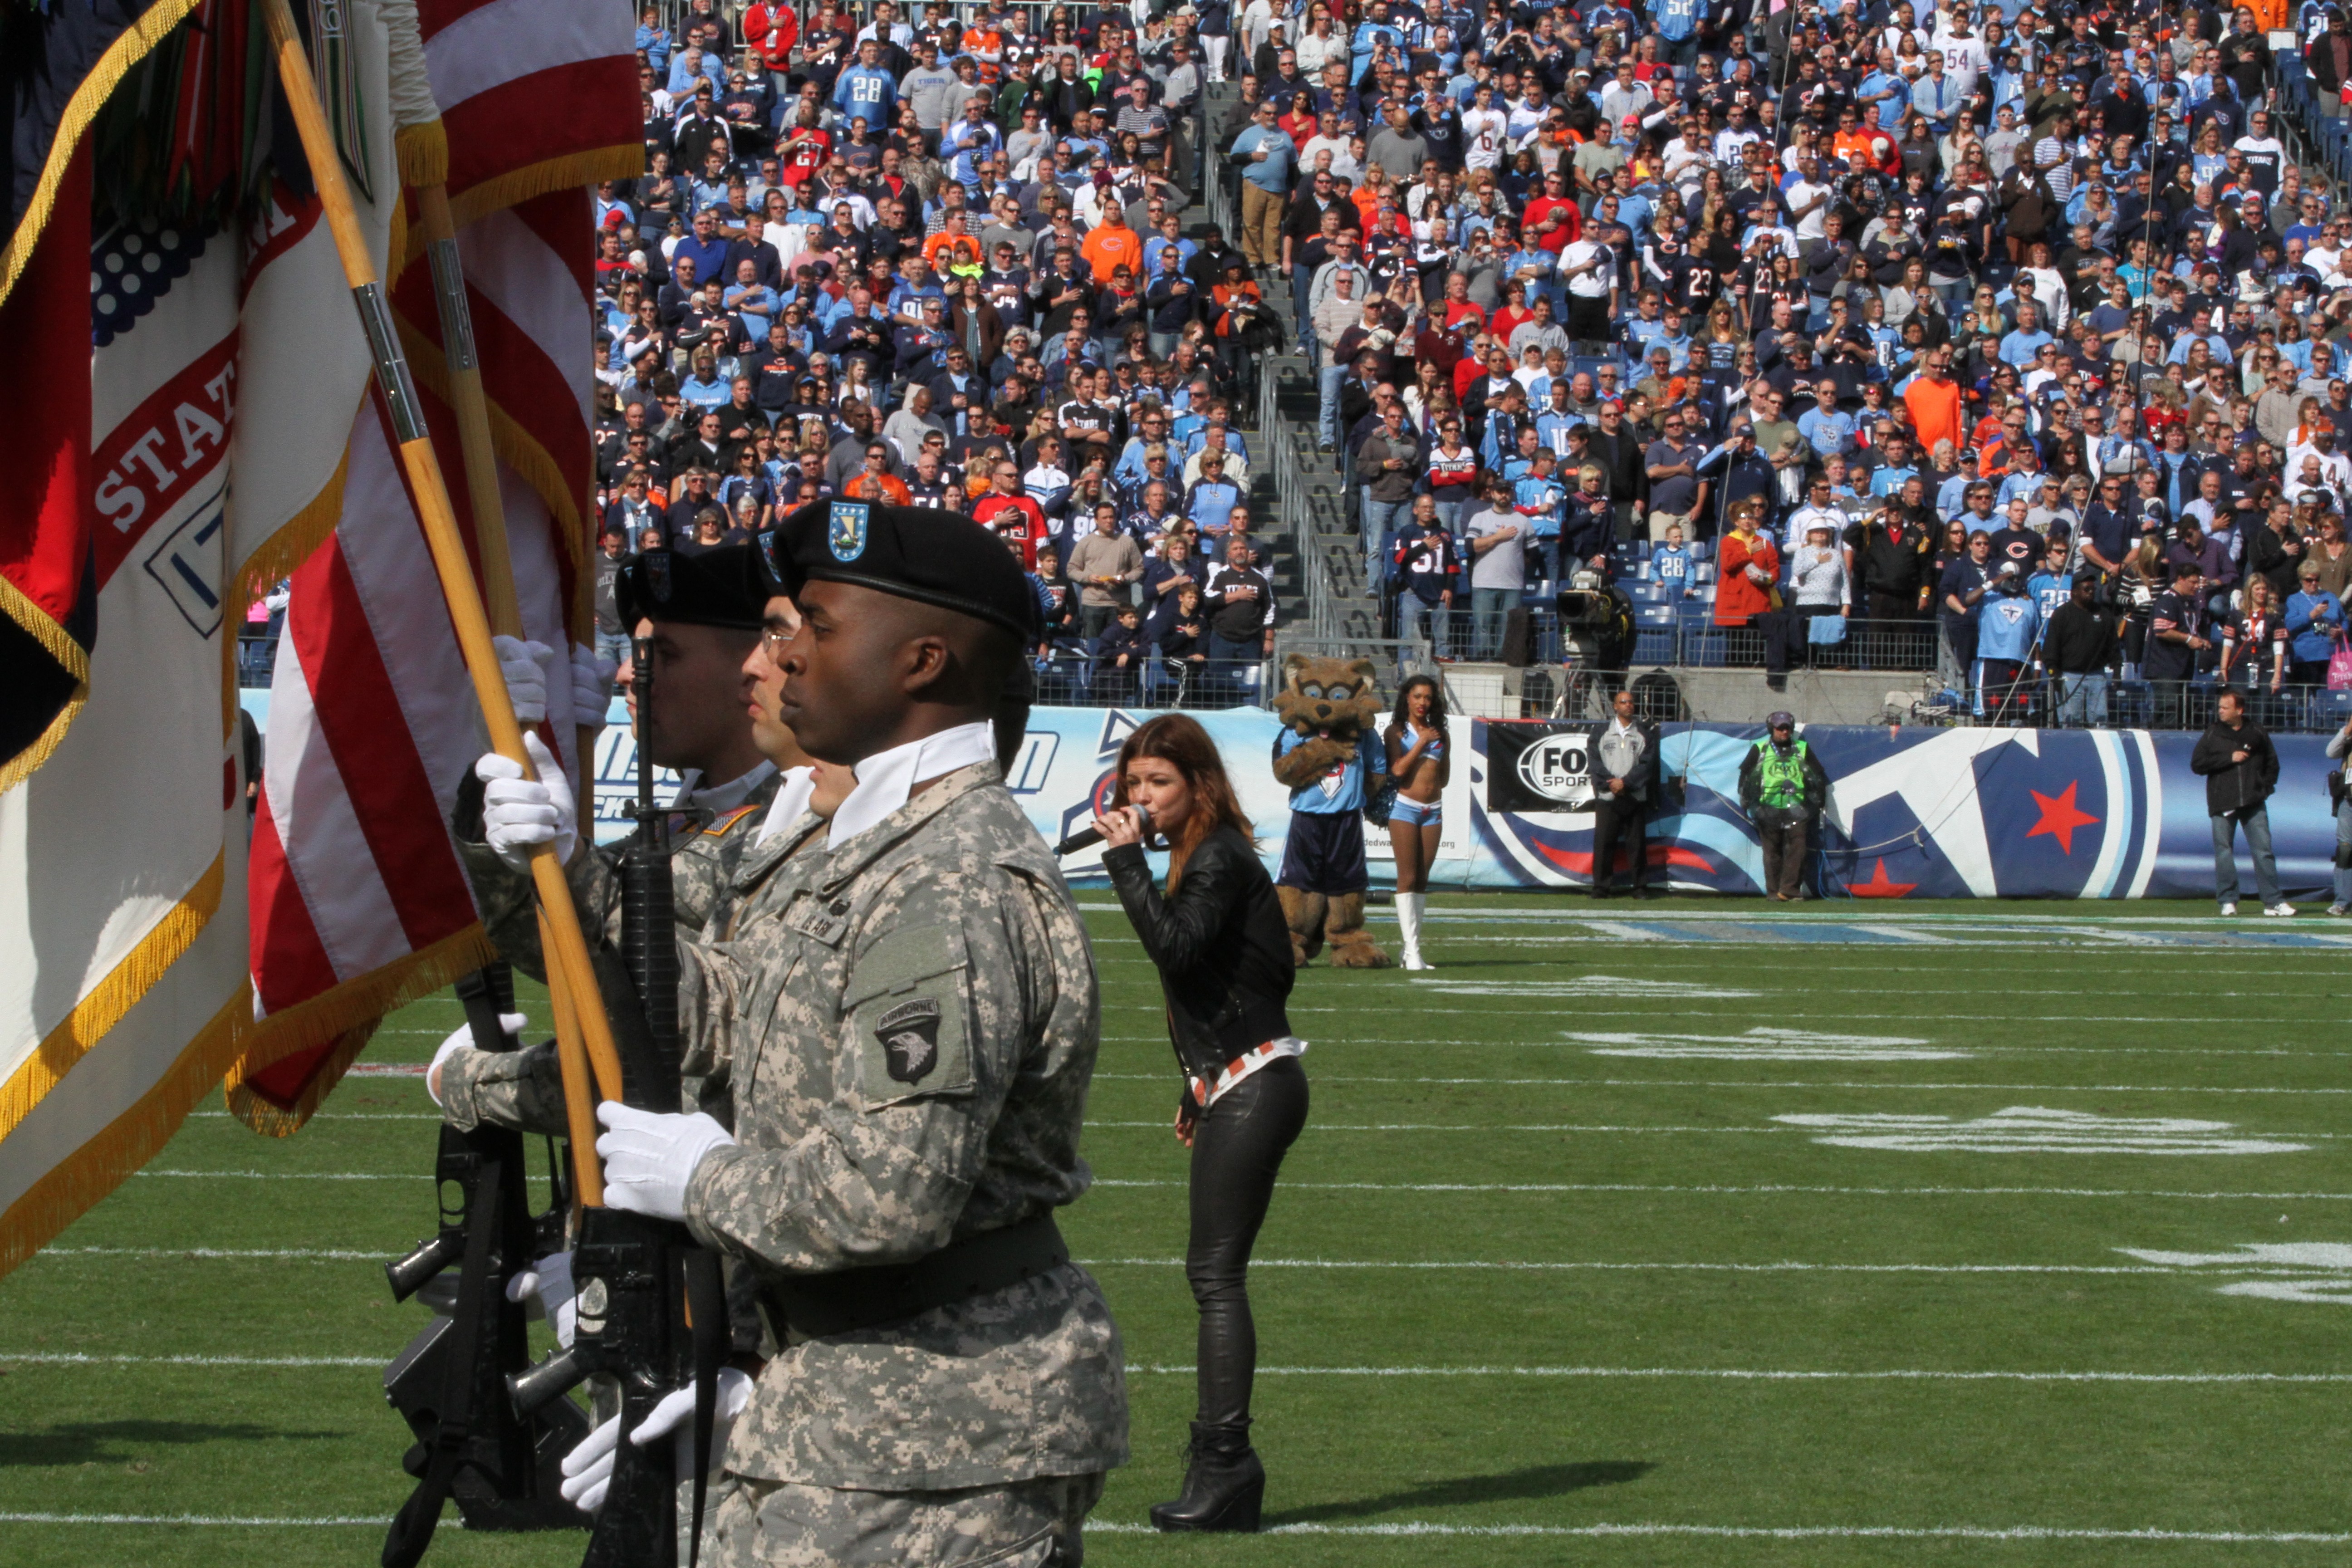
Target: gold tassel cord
111 998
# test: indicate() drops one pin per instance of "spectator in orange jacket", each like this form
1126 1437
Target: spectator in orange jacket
1111 245
1747 567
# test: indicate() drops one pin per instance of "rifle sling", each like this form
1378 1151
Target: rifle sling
706 1299
818 1305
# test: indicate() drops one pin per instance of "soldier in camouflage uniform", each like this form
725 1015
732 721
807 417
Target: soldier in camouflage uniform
702 617
901 1012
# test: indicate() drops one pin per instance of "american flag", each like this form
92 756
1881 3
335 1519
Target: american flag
357 902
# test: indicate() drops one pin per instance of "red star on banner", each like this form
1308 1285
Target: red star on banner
2060 818
1878 887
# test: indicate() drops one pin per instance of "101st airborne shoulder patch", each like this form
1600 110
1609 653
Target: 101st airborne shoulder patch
910 1034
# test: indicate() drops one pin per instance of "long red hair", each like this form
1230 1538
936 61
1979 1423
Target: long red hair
1177 740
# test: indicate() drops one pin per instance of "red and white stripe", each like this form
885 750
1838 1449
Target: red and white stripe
524 82
373 722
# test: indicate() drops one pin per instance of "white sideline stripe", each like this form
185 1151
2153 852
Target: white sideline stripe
63 1357
1749 1192
1779 1533
1773 1083
241 1523
1750 1374
1409 1528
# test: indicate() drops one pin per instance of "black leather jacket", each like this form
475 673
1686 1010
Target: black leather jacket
1221 945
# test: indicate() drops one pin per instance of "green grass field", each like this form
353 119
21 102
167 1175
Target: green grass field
1571 1265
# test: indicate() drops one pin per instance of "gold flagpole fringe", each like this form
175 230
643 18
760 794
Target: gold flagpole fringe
126 51
424 152
43 628
516 186
346 1016
317 1020
111 998
95 1169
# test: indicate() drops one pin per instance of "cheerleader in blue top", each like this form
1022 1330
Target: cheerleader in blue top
1420 763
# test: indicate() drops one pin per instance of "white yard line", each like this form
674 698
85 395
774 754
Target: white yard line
1783 1267
1288 1186
1750 1375
2253 1267
1734 1083
1413 1529
1733 1375
1404 1530
58 1358
237 1522
215 1254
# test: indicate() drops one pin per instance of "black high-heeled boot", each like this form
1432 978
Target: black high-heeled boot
1224 1484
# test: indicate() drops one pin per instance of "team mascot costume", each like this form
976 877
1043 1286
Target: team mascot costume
1331 758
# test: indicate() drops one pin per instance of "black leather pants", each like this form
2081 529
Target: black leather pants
1237 1149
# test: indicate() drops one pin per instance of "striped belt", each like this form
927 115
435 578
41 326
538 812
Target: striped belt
1205 1094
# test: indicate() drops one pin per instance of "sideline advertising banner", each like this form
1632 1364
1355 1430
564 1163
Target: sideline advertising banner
1913 813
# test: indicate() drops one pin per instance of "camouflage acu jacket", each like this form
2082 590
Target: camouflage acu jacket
901 1031
703 858
906 1025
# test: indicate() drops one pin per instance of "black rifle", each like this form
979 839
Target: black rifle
449 1381
652 1310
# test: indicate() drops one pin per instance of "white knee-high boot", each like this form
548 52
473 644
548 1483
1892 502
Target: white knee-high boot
1409 907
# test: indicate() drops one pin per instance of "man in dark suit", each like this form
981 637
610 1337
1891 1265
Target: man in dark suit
1624 765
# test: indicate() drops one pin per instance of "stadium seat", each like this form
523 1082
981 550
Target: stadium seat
1653 616
1639 571
1700 550
1704 572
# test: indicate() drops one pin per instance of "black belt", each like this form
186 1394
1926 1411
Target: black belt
818 1305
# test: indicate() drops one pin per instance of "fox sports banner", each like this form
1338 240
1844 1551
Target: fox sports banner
1913 813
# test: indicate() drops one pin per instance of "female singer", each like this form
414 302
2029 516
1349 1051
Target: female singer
1223 951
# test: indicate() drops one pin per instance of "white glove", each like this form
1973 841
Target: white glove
525 666
588 1468
649 1156
517 813
591 687
550 1279
462 1039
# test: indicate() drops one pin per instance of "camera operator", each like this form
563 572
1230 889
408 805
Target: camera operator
1218 938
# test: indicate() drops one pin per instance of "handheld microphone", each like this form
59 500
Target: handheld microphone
1086 837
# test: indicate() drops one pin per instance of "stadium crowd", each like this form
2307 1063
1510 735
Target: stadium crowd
932 257
1902 320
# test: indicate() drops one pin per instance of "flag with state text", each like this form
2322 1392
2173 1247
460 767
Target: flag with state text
186 262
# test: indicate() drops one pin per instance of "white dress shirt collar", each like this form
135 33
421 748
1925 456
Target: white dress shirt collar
887 779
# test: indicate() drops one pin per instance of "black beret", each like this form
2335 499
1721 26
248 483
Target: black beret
721 586
911 552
